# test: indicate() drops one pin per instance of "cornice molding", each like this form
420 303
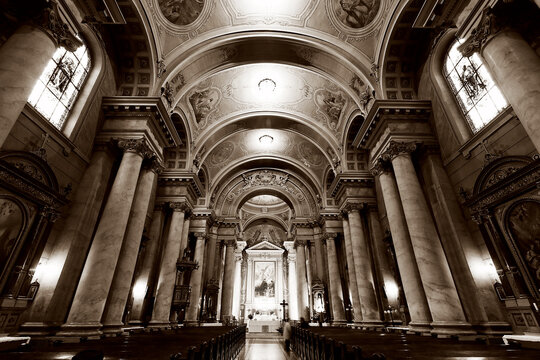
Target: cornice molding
130 106
415 110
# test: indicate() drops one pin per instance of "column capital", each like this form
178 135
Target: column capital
229 243
493 20
50 22
329 236
397 148
200 235
380 167
138 146
179 206
353 207
155 166
298 243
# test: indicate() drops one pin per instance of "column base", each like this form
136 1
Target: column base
372 324
38 329
89 330
493 328
112 329
451 328
159 324
419 327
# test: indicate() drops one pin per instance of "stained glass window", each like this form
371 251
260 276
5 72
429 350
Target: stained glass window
477 94
58 86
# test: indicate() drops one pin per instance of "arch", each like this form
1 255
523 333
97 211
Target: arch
31 165
253 220
244 185
262 42
269 162
498 170
271 120
459 125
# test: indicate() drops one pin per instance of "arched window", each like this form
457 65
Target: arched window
477 94
59 84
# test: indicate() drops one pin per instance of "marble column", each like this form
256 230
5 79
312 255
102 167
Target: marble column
301 279
321 266
514 65
211 255
380 258
334 280
441 294
459 247
185 236
167 268
51 305
84 318
123 276
406 261
228 281
362 267
194 307
24 56
142 283
291 280
355 296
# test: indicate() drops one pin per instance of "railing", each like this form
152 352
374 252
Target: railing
309 346
225 347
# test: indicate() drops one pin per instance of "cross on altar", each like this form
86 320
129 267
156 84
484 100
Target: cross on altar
283 303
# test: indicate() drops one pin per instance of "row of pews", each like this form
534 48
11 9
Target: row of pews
311 346
224 347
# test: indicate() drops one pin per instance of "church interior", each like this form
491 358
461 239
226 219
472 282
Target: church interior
180 172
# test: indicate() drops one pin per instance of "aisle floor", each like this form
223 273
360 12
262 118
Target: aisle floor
264 349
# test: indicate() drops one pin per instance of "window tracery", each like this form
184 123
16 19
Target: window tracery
478 96
58 86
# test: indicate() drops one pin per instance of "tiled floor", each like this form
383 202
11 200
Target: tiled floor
264 349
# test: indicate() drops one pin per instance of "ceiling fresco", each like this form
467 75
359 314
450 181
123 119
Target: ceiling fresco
356 22
239 90
285 144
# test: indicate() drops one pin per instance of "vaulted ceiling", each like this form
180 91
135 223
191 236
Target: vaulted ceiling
258 84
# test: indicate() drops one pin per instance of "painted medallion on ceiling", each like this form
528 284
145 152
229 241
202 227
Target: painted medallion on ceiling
181 12
356 13
355 18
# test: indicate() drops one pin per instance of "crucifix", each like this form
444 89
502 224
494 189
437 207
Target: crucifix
283 303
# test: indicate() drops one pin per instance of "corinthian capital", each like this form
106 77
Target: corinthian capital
396 148
380 167
155 165
179 206
51 23
138 146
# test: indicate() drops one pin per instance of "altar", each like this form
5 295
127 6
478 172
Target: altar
263 326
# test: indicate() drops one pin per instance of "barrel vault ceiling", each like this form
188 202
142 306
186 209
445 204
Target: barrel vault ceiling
255 84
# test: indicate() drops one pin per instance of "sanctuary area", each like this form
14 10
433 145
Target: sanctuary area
184 178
